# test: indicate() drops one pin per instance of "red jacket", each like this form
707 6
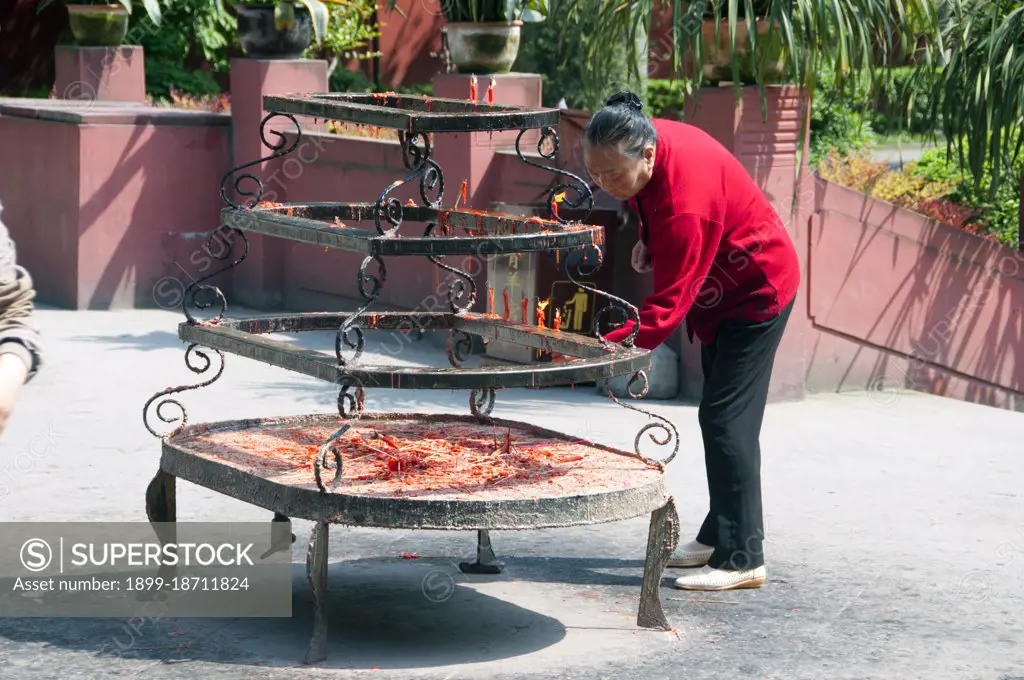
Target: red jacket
718 249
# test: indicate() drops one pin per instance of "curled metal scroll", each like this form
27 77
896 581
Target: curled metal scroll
669 433
417 159
462 289
460 344
349 406
280 147
576 271
416 152
198 368
481 402
582 196
202 296
350 334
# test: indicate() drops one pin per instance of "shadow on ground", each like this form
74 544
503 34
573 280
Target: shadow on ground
388 614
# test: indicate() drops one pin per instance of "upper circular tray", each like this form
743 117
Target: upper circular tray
414 114
243 459
470 232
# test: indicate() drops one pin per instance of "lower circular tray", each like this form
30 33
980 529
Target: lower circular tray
417 471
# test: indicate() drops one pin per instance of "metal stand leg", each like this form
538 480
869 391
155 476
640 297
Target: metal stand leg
486 562
279 535
662 539
316 572
162 511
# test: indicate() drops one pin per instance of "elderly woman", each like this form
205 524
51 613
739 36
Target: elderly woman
723 261
20 356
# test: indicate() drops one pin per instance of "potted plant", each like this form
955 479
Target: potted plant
281 29
726 39
101 23
843 39
483 35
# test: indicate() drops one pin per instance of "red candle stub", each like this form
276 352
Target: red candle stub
490 93
490 301
508 313
472 89
558 319
526 309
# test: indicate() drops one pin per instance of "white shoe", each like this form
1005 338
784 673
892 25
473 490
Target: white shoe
722 579
693 554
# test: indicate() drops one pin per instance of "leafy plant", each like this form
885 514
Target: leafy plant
478 11
1000 210
839 38
555 49
837 124
905 105
666 98
349 34
284 12
190 52
982 88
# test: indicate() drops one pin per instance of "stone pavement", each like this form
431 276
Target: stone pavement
895 539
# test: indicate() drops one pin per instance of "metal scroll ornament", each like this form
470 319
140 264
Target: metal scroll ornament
279 147
581 196
460 344
350 334
351 400
461 289
481 402
416 152
662 433
202 365
203 296
576 269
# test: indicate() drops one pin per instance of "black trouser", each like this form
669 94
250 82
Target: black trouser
737 368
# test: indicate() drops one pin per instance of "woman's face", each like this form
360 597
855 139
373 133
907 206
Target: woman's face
622 177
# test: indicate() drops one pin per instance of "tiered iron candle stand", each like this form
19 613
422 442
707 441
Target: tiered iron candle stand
373 229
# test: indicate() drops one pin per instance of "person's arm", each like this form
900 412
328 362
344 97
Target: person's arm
682 254
20 355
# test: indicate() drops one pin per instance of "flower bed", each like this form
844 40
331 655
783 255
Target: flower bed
933 186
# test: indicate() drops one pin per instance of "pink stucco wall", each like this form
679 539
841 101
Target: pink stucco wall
101 198
897 302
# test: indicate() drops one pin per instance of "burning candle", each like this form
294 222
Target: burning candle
490 300
508 313
558 319
472 88
541 317
490 93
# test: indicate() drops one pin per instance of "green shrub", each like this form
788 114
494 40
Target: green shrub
666 98
836 123
556 48
904 97
1001 214
188 53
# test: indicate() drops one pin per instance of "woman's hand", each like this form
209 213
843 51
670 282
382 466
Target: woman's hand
641 259
12 377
